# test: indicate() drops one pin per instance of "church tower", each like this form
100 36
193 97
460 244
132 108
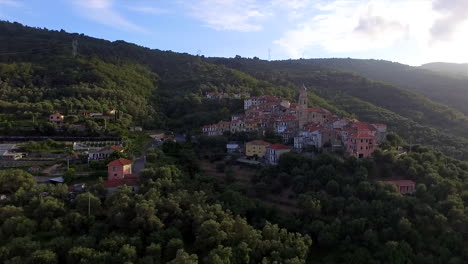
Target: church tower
302 105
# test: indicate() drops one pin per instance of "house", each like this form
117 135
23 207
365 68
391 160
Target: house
381 131
211 130
318 115
224 126
8 152
136 128
83 147
104 153
34 169
119 172
329 135
309 136
56 118
340 123
216 96
273 153
96 115
256 148
233 148
237 126
403 186
252 125
361 144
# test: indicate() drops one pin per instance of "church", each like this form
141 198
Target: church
307 115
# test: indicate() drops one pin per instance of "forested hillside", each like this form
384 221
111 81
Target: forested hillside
438 86
165 89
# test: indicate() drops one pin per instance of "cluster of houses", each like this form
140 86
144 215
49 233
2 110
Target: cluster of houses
307 127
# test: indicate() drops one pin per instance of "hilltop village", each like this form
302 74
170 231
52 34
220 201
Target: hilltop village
302 129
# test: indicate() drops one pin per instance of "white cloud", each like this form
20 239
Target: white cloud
454 14
358 26
11 3
103 12
235 15
148 10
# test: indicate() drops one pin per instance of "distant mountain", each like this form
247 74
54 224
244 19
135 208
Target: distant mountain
458 70
448 90
164 89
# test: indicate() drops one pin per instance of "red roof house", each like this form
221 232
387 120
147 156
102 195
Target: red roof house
119 172
403 186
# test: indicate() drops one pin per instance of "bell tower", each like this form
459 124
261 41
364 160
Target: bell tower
303 105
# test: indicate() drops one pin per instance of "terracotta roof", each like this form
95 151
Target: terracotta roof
210 126
259 142
312 128
362 125
116 148
120 162
318 109
279 146
400 182
362 134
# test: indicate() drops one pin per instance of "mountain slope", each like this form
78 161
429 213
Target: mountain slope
448 90
458 70
165 89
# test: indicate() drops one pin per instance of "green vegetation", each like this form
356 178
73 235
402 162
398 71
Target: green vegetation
179 215
168 220
46 146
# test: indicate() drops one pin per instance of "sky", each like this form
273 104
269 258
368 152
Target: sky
407 31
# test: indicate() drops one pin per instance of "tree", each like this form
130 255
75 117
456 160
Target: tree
69 175
43 257
87 202
183 257
12 180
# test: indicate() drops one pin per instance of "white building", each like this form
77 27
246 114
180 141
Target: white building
273 153
306 138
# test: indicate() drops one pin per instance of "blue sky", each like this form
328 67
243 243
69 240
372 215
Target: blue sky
407 31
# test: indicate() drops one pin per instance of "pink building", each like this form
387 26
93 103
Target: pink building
403 186
119 172
56 118
361 144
